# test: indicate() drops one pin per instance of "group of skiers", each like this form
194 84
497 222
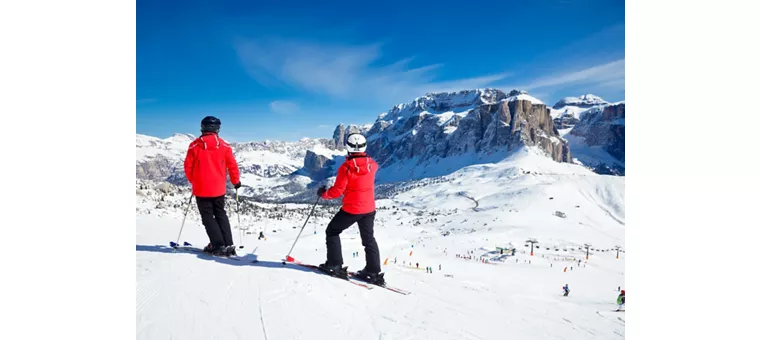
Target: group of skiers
209 159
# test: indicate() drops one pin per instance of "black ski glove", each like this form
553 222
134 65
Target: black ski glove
321 191
237 185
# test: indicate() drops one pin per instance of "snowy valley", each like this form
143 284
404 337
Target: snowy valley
465 178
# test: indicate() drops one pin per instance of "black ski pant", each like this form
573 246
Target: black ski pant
341 221
215 220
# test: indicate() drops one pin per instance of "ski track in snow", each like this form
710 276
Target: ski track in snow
261 314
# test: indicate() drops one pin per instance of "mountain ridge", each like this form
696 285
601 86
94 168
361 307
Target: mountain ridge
430 136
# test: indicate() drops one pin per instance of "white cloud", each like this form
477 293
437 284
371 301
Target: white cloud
323 126
611 74
344 71
283 107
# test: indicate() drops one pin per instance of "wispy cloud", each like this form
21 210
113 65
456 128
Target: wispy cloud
344 71
610 74
283 107
323 126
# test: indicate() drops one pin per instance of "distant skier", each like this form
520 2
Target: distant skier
355 181
566 289
261 235
208 160
418 265
439 267
621 300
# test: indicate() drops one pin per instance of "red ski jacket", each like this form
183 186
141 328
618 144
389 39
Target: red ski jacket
206 164
356 182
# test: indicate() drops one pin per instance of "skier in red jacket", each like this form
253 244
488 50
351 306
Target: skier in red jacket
355 181
208 160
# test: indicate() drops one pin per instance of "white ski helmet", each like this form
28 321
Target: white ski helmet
355 142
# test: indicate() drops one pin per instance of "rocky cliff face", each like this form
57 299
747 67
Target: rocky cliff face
339 137
338 142
601 128
317 166
443 125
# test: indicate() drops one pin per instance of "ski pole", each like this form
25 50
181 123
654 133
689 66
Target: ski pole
189 202
288 258
240 231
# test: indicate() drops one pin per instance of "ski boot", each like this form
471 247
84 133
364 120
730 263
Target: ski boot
230 251
369 277
337 271
215 251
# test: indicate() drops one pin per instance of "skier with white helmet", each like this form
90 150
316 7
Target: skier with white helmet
355 181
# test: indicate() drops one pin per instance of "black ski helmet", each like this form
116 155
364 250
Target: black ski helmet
210 124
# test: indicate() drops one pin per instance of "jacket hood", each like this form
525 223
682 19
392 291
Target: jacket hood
360 164
209 140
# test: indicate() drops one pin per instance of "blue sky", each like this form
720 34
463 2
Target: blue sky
293 69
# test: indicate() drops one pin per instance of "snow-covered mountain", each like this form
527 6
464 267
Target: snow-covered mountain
585 101
431 136
157 159
439 133
567 112
270 169
598 140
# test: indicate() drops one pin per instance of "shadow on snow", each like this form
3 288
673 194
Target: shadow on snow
245 260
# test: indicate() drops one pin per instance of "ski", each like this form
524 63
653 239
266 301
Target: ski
393 289
316 269
190 248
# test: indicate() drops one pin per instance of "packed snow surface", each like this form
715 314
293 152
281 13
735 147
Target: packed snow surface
467 213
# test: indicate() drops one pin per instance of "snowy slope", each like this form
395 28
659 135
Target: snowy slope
190 296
